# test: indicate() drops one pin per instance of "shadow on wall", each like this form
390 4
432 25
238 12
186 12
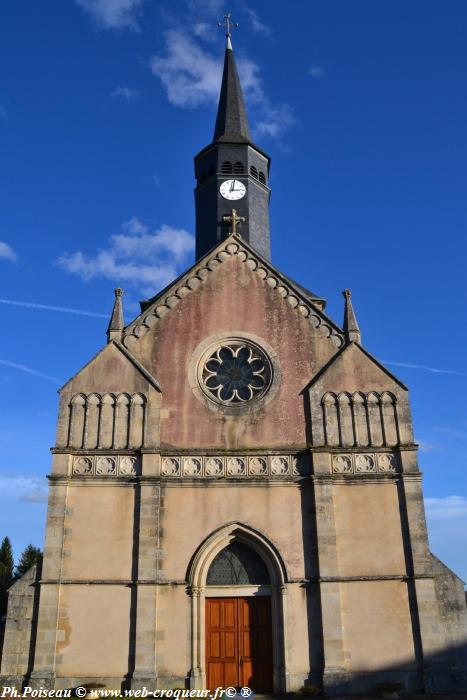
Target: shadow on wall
442 672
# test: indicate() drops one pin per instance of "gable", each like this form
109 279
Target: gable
354 369
113 369
289 292
232 295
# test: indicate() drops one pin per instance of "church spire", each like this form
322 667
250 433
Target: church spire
351 328
232 120
116 325
231 172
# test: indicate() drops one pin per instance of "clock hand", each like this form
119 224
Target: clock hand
232 186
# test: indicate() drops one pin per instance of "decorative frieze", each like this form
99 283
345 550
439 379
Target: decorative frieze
365 463
183 466
105 465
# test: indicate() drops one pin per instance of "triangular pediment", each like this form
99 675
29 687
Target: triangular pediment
114 358
297 297
354 369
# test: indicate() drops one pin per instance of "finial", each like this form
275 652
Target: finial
234 220
116 325
351 329
228 24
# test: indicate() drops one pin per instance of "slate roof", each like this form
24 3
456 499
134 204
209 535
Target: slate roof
232 120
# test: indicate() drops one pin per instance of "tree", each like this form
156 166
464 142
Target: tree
6 572
31 555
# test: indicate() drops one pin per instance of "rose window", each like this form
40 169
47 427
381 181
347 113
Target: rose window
235 372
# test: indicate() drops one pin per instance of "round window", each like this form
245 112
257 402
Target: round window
235 372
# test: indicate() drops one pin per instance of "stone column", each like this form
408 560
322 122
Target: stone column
145 665
281 658
44 659
197 678
432 640
333 636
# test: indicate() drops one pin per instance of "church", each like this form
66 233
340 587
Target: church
235 497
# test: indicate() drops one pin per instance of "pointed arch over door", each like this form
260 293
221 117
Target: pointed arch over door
237 563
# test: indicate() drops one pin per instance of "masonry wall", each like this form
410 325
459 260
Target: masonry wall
20 627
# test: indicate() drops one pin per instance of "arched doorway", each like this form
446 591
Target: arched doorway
238 584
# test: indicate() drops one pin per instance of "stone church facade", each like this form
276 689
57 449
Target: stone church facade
235 497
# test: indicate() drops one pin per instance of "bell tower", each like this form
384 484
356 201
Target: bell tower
232 173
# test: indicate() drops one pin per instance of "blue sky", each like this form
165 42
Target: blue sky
362 107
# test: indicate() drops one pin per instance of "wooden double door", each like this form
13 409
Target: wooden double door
239 643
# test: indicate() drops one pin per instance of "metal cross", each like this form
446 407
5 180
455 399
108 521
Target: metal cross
234 220
227 23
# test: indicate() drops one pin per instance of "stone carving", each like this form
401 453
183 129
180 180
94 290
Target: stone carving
233 466
214 467
191 466
235 372
105 465
364 463
171 466
236 466
82 465
279 466
107 421
194 278
386 462
257 466
360 420
127 466
341 464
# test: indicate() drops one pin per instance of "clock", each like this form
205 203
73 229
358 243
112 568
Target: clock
232 189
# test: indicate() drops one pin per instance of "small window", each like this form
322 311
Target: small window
226 167
239 168
262 177
253 172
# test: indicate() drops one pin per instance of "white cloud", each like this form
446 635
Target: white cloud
447 530
275 121
7 252
209 7
125 92
446 508
24 488
192 77
113 14
256 24
146 260
316 71
425 446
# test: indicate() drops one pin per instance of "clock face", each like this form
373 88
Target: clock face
232 189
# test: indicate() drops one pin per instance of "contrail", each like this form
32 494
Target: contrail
29 370
427 369
45 307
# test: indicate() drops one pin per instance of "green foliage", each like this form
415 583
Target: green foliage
31 555
6 572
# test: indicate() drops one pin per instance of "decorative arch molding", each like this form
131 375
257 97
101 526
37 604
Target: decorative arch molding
196 577
205 554
360 419
107 421
157 308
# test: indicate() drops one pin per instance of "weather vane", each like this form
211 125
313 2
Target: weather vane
227 23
